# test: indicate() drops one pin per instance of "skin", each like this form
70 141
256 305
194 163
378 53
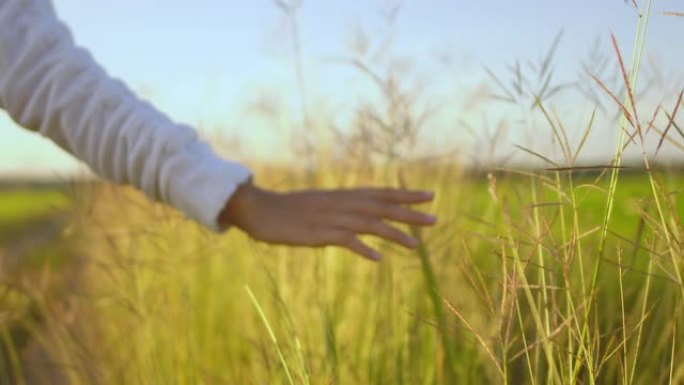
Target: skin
318 218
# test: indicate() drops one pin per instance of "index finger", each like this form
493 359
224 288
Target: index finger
399 196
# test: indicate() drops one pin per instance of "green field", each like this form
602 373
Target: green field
500 292
20 206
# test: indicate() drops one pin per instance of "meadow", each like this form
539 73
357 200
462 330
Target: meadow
555 273
509 288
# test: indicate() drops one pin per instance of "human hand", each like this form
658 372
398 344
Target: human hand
319 218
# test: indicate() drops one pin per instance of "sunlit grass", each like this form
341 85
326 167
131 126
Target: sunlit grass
167 302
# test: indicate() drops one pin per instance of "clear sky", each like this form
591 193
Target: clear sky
204 61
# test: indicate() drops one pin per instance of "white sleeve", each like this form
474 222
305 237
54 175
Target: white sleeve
49 85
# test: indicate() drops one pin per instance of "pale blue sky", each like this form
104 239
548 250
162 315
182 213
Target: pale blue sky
203 61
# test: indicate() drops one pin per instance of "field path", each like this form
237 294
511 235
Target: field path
20 267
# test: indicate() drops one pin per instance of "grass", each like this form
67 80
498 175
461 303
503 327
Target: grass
152 310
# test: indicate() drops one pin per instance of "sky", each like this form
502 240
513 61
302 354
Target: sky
205 62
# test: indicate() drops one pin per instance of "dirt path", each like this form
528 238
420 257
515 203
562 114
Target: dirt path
40 233
37 263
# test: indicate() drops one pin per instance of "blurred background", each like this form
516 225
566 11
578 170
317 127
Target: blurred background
250 75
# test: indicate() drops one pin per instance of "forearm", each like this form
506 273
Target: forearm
49 85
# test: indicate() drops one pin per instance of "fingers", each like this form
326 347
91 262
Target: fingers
364 211
377 227
399 196
349 240
363 250
338 217
393 212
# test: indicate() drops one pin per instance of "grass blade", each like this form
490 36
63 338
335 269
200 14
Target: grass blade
538 155
271 333
670 122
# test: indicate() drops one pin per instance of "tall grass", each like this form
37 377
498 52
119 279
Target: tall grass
469 307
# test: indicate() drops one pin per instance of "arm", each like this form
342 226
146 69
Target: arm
319 218
49 85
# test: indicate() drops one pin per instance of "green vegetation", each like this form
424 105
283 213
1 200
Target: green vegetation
512 271
20 206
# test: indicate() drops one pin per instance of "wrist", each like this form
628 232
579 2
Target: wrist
237 208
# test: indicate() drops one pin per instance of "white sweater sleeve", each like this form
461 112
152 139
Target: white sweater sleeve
49 85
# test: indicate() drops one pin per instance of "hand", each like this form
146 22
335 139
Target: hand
320 218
